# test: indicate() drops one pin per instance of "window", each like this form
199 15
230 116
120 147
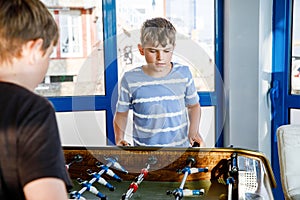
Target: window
76 67
70 33
194 21
99 43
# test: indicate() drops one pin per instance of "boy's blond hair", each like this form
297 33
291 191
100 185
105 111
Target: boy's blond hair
22 21
158 31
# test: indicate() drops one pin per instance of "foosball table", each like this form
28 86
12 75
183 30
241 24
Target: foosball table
123 173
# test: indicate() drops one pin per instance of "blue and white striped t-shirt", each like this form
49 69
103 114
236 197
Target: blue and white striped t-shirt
159 105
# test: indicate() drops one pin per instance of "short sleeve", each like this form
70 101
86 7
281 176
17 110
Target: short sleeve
39 147
191 95
124 99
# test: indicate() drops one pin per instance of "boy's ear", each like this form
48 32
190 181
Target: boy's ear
33 50
141 49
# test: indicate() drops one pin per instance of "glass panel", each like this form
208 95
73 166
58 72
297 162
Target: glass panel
85 128
295 116
76 67
295 71
194 21
253 179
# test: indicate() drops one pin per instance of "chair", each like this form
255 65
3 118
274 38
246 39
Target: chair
288 137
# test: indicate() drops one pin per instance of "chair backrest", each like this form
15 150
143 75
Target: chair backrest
288 137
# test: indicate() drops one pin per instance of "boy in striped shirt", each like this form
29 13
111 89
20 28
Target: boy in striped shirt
162 94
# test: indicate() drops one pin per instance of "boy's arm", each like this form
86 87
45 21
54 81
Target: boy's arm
46 189
120 122
194 112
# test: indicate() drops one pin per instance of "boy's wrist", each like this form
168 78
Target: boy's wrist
122 142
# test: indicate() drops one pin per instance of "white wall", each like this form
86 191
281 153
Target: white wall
265 69
247 63
83 128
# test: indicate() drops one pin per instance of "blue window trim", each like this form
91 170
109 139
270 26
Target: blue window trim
282 26
219 99
92 103
110 60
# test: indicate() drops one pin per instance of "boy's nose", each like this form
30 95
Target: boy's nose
159 55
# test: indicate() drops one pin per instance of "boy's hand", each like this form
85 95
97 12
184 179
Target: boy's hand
196 138
123 143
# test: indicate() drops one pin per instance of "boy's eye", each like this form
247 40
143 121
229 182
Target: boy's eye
155 50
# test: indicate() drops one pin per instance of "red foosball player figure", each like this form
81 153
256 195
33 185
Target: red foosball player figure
133 187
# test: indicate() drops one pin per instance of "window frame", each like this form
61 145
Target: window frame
103 102
281 97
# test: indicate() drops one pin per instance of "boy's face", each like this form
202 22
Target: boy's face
159 57
45 60
42 65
